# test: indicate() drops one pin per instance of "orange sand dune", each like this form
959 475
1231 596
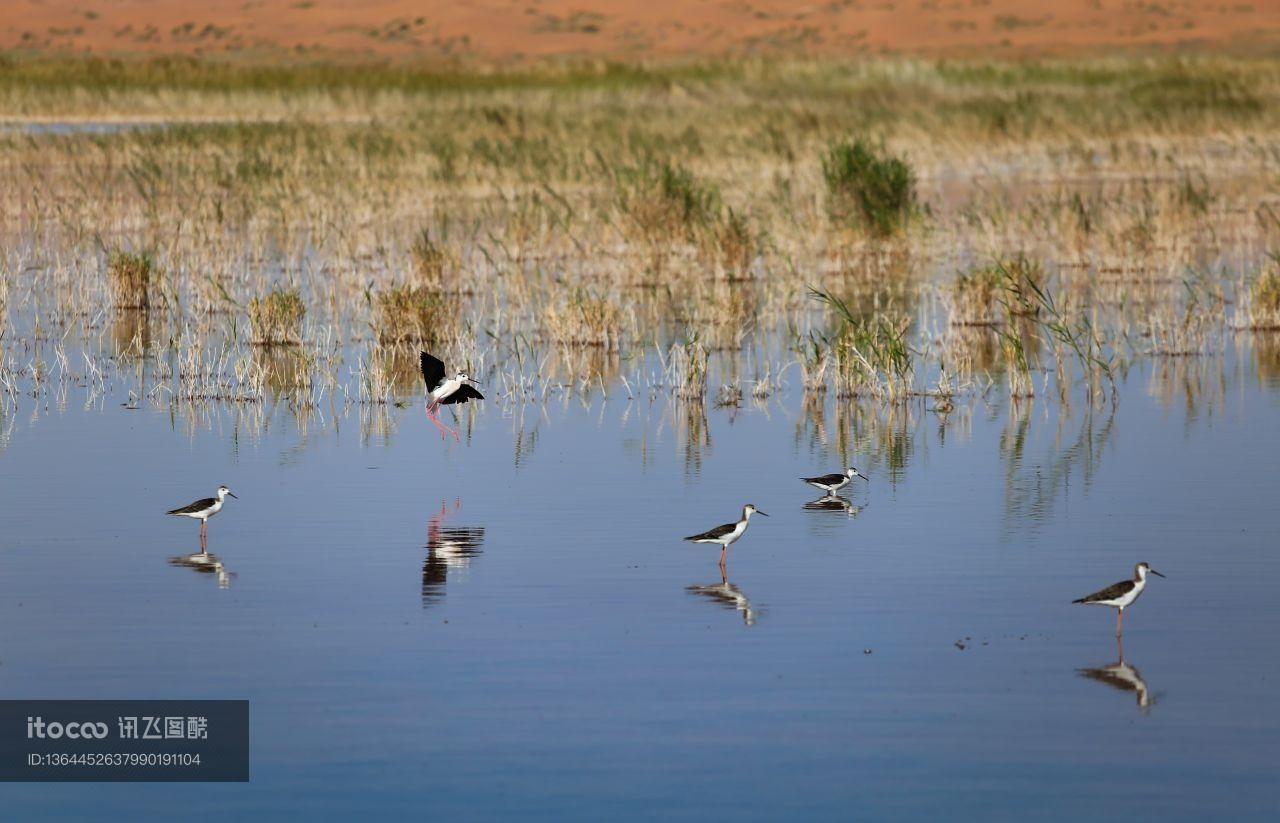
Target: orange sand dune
631 29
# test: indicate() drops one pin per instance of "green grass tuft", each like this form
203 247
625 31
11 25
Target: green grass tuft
868 187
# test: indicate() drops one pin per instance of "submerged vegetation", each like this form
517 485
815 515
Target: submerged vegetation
1031 228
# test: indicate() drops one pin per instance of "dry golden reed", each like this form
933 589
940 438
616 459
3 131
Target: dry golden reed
275 319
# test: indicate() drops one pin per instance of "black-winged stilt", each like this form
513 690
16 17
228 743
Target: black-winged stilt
1122 594
441 392
727 534
831 483
203 509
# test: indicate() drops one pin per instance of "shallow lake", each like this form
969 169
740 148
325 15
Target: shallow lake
511 624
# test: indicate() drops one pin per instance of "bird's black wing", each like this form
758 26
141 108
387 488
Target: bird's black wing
198 506
463 394
826 479
712 534
432 370
1109 593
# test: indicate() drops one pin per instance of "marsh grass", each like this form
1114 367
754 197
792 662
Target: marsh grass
738 243
872 355
1262 306
687 369
432 262
868 187
975 297
665 201
132 275
565 185
406 313
275 319
1028 296
585 320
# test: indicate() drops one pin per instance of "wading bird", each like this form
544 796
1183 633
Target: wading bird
727 534
202 510
440 392
831 483
1121 594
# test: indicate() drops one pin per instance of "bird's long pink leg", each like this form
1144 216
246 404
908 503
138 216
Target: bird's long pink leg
435 420
1119 620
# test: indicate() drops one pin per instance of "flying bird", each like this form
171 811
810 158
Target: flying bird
441 392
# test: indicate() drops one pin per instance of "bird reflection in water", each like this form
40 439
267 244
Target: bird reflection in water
448 549
1120 675
833 503
727 595
205 563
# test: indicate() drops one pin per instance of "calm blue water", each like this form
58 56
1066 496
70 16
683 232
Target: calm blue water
554 663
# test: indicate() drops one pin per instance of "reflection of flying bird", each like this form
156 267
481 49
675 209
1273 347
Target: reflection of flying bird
1122 594
1120 675
831 483
728 595
204 563
441 392
202 510
833 503
447 549
727 534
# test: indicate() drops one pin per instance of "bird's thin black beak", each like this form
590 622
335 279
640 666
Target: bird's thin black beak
232 494
1156 573
761 513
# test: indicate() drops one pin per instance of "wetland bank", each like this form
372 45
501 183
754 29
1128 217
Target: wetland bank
1037 303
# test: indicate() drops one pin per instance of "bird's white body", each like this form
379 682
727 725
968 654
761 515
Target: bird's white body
831 483
727 540
1122 601
204 514
831 488
441 392
1126 599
